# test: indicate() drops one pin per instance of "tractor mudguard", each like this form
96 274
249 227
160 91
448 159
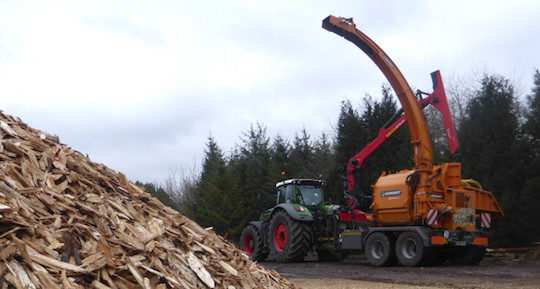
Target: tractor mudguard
262 227
302 214
259 226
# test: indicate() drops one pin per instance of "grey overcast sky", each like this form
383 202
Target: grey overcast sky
140 85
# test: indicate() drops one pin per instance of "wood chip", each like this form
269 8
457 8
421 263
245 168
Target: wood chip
59 209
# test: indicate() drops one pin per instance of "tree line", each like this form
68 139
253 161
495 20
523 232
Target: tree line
499 147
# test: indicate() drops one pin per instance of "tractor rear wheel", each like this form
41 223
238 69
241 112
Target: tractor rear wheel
379 249
252 243
289 240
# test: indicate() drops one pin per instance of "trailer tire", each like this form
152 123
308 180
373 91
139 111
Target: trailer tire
479 253
289 240
470 255
379 250
410 250
443 255
252 244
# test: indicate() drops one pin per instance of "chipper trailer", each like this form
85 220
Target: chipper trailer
422 216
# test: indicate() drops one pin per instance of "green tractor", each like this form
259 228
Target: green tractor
299 223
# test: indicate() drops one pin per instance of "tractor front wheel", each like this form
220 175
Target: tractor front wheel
289 239
252 243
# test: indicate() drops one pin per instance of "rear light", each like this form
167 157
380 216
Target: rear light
438 240
481 241
300 209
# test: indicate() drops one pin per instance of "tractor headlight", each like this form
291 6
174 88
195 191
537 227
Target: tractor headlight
446 234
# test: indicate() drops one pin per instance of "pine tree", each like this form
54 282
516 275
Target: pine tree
323 156
215 202
356 130
157 191
279 159
350 132
395 154
492 153
250 164
532 124
529 200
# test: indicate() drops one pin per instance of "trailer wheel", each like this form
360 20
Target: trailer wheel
479 253
410 251
289 239
443 254
379 250
252 244
470 255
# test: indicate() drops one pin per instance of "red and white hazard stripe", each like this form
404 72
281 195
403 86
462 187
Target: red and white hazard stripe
432 217
485 220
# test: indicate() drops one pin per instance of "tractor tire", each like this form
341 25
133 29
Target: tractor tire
379 250
411 252
289 240
252 243
470 255
331 256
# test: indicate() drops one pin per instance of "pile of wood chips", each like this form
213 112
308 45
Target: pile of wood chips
67 222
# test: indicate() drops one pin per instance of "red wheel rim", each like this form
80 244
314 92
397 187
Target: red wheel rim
249 244
280 237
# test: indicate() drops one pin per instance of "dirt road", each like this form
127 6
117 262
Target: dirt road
355 272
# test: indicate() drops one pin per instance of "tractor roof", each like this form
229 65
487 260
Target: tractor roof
298 181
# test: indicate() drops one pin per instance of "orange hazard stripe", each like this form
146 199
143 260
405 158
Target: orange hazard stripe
438 240
480 241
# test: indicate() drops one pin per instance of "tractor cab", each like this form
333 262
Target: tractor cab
307 192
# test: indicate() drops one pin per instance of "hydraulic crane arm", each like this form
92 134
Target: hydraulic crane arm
437 98
420 140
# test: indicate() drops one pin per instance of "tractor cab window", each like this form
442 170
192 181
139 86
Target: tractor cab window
285 193
311 195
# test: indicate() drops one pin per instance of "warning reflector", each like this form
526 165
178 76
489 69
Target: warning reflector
438 240
485 220
432 217
481 241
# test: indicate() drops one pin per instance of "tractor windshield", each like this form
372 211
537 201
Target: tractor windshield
312 195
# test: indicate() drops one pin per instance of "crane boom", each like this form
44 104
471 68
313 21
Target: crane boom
437 98
423 157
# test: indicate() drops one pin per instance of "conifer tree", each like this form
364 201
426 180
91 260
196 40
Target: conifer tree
215 203
529 200
492 153
301 156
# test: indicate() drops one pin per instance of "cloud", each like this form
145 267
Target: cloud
141 86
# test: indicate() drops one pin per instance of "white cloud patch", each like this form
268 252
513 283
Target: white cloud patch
140 86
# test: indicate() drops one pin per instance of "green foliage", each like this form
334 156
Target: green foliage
529 201
495 153
216 201
356 129
158 192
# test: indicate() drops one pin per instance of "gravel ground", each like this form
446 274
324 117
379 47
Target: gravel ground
355 272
